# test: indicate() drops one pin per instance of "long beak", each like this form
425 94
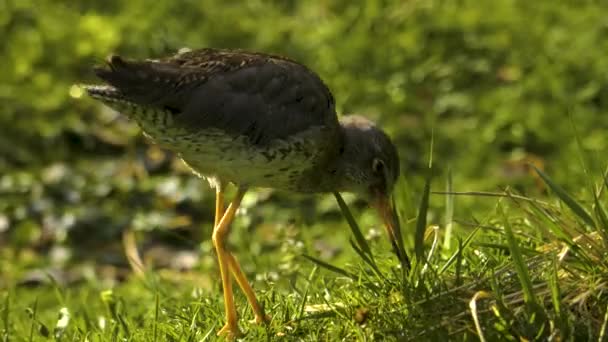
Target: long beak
388 215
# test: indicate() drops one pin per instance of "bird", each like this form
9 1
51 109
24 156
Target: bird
254 120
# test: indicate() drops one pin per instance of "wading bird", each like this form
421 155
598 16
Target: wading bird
254 120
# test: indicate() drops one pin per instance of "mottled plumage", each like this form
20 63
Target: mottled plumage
262 97
255 120
248 118
224 111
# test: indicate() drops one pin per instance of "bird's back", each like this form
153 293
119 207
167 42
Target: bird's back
244 117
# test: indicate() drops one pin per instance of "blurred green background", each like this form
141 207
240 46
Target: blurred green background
499 83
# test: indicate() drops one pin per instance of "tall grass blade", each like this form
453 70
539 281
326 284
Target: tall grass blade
582 156
329 267
421 221
400 248
566 198
547 221
602 218
459 251
433 248
556 299
407 205
555 226
518 260
305 295
354 227
406 209
366 258
458 258
449 211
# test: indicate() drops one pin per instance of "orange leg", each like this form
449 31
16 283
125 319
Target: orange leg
219 204
235 268
241 279
220 234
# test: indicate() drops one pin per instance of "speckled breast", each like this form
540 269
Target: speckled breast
280 164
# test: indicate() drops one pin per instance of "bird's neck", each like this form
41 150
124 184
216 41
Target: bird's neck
335 174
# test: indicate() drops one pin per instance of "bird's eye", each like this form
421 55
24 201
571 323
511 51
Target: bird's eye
378 165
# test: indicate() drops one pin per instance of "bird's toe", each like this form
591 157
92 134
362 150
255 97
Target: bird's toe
261 319
230 331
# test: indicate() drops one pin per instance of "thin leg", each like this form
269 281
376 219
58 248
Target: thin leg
220 234
241 279
219 204
235 268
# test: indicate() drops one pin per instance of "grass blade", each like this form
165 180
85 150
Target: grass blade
459 251
606 179
449 211
421 221
566 198
156 316
329 267
399 249
32 313
602 218
473 308
5 316
366 259
602 334
555 292
518 259
556 300
433 248
354 227
305 295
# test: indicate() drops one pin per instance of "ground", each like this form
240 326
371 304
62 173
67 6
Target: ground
507 231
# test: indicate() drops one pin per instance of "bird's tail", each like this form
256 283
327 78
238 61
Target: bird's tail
146 83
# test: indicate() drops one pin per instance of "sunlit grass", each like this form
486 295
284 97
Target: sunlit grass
529 270
499 250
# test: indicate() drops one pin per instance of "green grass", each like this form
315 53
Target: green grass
498 250
529 269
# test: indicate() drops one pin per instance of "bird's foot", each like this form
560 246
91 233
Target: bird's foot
230 331
262 318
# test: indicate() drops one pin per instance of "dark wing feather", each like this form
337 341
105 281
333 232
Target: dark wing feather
261 96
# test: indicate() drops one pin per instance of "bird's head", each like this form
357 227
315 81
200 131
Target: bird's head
369 166
368 163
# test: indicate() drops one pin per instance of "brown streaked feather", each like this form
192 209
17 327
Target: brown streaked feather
263 97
